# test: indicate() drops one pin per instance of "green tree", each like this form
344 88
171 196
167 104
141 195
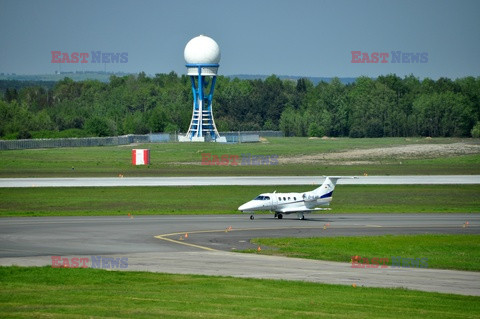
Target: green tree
442 114
287 122
11 94
476 130
100 127
157 120
372 106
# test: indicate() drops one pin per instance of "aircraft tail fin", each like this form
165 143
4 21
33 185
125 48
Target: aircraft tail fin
326 190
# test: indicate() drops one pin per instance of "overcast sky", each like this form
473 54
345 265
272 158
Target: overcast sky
302 37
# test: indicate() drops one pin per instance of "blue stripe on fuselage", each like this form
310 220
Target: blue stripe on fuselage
327 195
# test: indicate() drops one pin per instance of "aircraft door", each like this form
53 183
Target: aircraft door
273 202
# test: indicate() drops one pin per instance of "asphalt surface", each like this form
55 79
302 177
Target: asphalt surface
233 180
161 244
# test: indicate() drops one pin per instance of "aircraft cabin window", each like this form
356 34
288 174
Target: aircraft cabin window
289 198
279 198
294 198
284 198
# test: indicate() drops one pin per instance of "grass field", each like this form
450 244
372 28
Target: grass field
225 200
184 159
59 293
461 252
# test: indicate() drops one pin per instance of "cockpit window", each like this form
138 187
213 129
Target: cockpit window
260 197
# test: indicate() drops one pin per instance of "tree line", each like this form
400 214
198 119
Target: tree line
388 106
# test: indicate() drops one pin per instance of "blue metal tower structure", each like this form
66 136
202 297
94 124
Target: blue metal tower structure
202 125
202 57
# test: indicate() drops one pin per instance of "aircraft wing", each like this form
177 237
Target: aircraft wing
288 210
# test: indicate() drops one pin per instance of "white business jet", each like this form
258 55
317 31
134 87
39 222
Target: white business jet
288 203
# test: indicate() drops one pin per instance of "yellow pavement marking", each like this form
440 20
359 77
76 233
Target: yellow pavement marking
164 236
184 243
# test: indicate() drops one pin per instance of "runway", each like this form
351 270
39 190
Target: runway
235 180
158 243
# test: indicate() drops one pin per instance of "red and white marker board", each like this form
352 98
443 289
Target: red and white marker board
140 156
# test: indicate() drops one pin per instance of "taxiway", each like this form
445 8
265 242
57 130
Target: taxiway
158 243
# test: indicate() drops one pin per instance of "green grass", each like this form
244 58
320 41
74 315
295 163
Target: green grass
225 200
184 159
60 293
461 252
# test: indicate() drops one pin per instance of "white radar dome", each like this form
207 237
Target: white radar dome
202 49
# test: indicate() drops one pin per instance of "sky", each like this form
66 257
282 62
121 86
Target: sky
283 37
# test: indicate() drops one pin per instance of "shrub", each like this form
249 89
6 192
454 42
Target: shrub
476 130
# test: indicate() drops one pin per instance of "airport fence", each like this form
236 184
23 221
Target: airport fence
232 137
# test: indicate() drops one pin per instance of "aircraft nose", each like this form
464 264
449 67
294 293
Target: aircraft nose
246 207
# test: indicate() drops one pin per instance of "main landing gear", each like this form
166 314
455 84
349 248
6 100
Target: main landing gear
280 216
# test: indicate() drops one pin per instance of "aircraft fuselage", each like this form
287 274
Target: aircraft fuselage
288 203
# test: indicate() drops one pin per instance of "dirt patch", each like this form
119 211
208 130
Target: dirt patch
374 155
321 138
130 145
